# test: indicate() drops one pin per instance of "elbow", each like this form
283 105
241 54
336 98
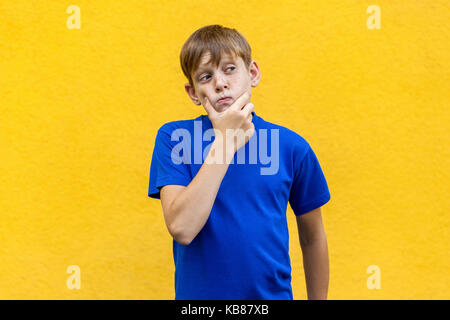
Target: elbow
180 236
183 240
177 230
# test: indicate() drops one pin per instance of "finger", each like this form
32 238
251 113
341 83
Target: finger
248 109
209 108
240 102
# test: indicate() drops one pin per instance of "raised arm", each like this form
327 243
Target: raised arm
186 209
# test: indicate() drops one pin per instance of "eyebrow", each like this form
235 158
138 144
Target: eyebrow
207 66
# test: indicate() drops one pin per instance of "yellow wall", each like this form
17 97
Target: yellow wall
79 110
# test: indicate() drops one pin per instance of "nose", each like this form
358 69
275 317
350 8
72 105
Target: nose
221 83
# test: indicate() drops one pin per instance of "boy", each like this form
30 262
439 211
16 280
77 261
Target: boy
223 206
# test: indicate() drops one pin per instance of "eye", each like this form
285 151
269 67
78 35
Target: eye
207 75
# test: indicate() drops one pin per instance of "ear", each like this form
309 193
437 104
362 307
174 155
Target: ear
190 90
255 73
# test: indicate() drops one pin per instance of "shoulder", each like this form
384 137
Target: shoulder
187 124
289 139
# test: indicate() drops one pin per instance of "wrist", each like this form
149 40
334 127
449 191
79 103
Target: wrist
221 152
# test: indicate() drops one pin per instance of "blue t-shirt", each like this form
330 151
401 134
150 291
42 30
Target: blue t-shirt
242 252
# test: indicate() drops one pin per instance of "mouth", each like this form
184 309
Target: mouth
224 100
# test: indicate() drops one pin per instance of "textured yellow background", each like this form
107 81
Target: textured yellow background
79 111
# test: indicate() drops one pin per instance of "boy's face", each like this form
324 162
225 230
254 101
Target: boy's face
230 79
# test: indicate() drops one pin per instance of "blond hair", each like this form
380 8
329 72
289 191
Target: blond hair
216 40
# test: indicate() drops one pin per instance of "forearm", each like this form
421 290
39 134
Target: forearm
193 205
316 266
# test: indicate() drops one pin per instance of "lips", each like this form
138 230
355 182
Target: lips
224 99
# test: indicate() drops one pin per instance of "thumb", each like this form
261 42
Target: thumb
209 108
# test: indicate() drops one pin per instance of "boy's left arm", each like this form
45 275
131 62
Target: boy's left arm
314 247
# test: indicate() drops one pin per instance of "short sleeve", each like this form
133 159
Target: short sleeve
163 170
309 188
